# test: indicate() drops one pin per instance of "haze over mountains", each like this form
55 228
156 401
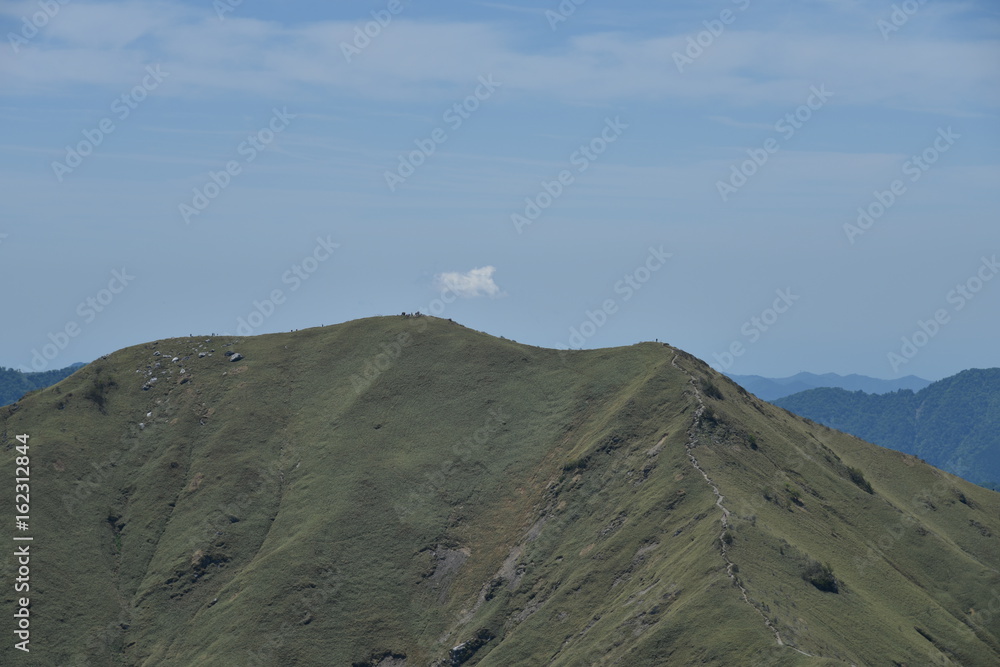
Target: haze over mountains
406 491
771 389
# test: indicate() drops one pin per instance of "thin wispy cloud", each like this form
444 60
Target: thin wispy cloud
103 44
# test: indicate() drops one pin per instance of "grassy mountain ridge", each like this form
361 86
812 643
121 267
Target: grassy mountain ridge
406 491
952 423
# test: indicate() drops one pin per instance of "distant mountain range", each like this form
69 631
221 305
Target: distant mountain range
953 424
14 384
771 389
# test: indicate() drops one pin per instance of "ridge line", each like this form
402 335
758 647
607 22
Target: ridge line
724 519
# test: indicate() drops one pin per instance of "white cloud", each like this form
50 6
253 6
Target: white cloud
477 282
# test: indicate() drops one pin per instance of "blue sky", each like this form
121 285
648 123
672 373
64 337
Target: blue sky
581 175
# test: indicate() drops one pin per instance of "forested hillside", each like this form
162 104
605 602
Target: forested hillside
953 424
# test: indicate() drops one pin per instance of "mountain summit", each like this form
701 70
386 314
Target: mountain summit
404 491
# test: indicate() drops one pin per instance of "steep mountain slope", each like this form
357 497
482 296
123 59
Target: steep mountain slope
771 389
406 491
14 384
953 423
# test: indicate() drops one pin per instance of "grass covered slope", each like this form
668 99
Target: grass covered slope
406 491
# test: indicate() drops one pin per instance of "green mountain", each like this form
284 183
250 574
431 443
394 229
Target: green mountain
404 491
771 389
953 424
15 384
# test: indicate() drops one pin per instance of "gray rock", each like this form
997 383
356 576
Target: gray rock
236 356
